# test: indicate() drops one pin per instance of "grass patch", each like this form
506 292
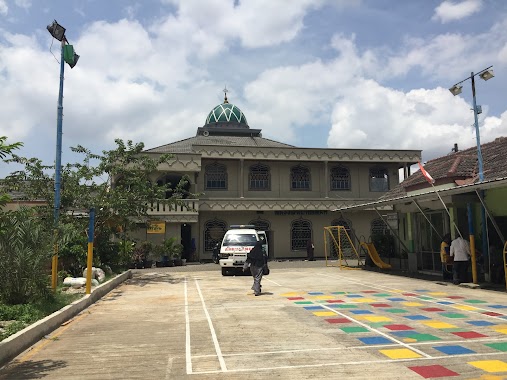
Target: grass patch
14 318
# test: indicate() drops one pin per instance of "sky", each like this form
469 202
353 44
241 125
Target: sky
354 74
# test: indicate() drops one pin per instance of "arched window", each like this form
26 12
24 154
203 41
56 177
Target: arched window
259 177
300 178
345 243
379 179
378 227
214 231
300 233
340 178
260 225
215 177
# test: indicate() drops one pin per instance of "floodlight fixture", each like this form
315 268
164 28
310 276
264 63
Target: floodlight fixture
56 30
456 89
487 74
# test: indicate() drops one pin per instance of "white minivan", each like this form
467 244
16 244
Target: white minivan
236 244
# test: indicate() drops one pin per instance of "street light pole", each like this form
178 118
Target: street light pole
477 134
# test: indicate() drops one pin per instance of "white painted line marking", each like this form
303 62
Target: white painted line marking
223 367
274 282
188 350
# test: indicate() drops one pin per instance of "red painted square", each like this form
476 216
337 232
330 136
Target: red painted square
431 309
335 301
492 314
295 298
469 334
398 327
455 297
410 294
338 320
369 291
380 305
428 371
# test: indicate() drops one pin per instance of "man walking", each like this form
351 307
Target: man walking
460 251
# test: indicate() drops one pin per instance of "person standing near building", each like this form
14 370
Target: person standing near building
310 250
445 257
460 251
255 260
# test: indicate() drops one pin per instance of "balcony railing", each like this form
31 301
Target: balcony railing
184 207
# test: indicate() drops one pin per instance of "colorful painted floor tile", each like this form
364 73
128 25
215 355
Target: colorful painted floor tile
354 296
474 301
454 350
382 295
324 313
400 353
497 306
295 298
445 303
313 308
342 306
375 340
415 337
480 323
362 300
453 315
469 334
335 301
425 298
361 312
303 302
369 291
492 314
375 318
398 327
396 299
437 294
412 304
439 325
500 346
417 317
338 320
315 293
291 294
422 290
464 307
337 292
354 329
380 305
433 371
396 311
490 365
410 294
455 297
432 309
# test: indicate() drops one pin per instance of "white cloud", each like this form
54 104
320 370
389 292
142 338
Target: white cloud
451 11
3 7
26 4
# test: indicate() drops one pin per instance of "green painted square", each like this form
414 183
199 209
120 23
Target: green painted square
354 329
423 337
455 329
425 297
453 315
379 324
382 295
396 311
337 292
502 346
303 302
344 306
474 301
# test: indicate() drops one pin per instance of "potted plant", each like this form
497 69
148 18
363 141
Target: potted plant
160 253
141 255
173 249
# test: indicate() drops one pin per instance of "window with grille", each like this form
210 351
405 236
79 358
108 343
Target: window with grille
340 178
379 180
215 177
299 178
300 233
214 231
378 227
346 246
259 178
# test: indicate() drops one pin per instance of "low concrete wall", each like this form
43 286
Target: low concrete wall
17 343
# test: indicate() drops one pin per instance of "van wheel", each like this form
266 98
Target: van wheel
224 271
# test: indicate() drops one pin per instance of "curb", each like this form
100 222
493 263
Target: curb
17 343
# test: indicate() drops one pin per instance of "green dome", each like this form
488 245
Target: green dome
226 113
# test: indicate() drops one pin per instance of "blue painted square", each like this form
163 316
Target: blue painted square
402 333
354 296
361 312
422 290
498 306
481 323
445 303
454 350
375 340
315 293
396 299
314 308
417 317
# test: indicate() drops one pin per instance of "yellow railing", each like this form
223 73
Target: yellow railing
183 207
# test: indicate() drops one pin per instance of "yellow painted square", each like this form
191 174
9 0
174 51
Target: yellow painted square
320 297
397 291
490 365
437 294
501 331
362 300
291 294
400 353
324 313
412 304
375 318
465 307
439 325
499 327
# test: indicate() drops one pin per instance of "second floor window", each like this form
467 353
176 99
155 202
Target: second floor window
259 178
299 178
340 178
215 177
379 180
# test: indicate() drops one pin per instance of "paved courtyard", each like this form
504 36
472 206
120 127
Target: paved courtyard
311 322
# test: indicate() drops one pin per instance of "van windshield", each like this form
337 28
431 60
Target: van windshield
239 239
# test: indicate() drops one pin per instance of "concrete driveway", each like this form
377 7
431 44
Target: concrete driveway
311 322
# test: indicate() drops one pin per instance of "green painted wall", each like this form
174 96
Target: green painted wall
496 201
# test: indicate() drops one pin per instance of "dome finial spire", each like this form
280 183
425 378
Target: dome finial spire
225 94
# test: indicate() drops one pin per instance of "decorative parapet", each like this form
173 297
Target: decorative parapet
184 207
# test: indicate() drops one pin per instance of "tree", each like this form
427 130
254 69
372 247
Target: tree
6 149
118 187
